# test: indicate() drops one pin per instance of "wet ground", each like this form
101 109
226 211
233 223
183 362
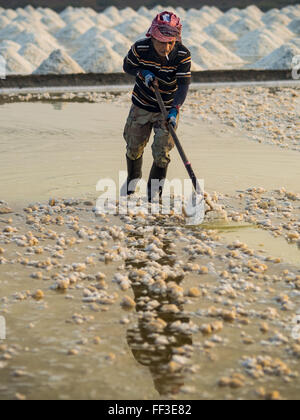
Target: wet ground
144 307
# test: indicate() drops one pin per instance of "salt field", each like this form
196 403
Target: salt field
77 40
143 306
138 304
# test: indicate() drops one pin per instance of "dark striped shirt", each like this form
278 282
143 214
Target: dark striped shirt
169 73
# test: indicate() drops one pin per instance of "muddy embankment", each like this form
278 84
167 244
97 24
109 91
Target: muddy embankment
93 79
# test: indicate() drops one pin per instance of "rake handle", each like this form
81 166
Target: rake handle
172 131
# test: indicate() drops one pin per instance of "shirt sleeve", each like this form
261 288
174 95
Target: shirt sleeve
181 95
184 73
132 62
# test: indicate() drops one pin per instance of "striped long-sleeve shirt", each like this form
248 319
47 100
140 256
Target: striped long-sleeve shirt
170 73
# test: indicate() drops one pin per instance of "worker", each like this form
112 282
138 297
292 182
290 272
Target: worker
159 59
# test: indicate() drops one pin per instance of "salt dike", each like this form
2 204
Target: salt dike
81 40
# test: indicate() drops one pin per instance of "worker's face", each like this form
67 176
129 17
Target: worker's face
163 48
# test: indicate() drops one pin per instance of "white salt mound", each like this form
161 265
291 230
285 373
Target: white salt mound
192 30
89 36
227 20
6 45
257 44
196 67
114 16
221 33
278 19
103 21
15 63
41 39
143 11
195 41
101 60
11 31
213 11
296 41
244 25
253 12
122 48
114 36
270 15
204 58
69 16
201 18
59 62
53 24
33 54
89 47
294 26
280 59
128 13
228 58
216 39
131 28
73 30
4 22
234 11
280 31
10 14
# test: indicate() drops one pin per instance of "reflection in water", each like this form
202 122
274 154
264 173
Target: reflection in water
59 106
153 342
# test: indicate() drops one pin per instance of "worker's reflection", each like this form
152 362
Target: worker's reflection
153 342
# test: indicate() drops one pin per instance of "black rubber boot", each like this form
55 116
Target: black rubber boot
134 168
160 174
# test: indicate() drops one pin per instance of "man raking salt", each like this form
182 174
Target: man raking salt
162 66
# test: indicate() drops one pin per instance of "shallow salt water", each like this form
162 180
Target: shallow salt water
62 150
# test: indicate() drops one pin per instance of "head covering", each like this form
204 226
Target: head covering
166 27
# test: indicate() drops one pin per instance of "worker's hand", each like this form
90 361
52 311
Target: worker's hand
172 117
149 77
